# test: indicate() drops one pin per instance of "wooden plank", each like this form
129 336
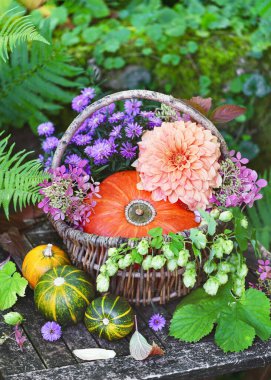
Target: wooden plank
54 354
186 361
12 359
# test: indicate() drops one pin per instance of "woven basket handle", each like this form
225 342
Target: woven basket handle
177 104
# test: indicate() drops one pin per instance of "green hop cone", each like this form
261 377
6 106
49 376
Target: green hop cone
227 246
112 251
103 269
217 250
158 262
222 277
128 260
172 265
211 286
191 265
226 216
167 251
244 222
121 263
143 247
215 213
102 283
242 272
189 278
224 267
183 257
239 286
200 239
111 269
147 262
209 267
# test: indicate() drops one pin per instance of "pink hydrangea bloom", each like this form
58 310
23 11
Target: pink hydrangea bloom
179 161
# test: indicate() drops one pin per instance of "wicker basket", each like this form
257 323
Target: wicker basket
89 251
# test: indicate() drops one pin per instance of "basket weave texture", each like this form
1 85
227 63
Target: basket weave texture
89 251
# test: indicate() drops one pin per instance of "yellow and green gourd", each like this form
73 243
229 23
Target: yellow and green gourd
63 293
41 259
109 317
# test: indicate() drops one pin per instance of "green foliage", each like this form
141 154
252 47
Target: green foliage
238 320
15 29
35 82
19 178
260 214
13 318
12 285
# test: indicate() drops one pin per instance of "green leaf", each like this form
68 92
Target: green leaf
232 334
238 320
15 29
158 231
192 322
98 8
12 284
209 220
13 318
137 258
254 309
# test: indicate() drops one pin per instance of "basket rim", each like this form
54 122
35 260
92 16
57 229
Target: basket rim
107 241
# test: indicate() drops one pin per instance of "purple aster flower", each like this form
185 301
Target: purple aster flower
79 103
116 117
81 140
48 163
100 151
51 331
128 151
96 119
89 93
154 122
46 129
133 130
73 159
157 322
50 144
147 114
132 107
41 158
108 109
116 132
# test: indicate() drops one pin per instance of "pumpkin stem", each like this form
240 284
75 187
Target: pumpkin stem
47 252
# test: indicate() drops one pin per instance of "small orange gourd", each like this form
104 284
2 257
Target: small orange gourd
41 259
125 211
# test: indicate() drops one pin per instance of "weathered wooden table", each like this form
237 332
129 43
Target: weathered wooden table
45 360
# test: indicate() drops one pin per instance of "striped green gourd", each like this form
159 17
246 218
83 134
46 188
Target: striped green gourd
63 293
109 317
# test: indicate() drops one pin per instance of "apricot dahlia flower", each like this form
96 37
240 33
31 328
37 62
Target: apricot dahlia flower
179 161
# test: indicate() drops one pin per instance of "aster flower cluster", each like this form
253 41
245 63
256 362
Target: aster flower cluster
240 185
109 137
69 194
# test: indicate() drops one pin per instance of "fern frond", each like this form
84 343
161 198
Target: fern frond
34 83
260 214
19 179
16 28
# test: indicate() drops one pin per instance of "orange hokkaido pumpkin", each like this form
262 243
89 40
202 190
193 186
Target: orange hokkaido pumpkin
41 259
125 211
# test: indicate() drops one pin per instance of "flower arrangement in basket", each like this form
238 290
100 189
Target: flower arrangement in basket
149 201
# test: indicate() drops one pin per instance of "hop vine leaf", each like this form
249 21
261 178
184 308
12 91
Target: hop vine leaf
237 321
19 178
16 28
